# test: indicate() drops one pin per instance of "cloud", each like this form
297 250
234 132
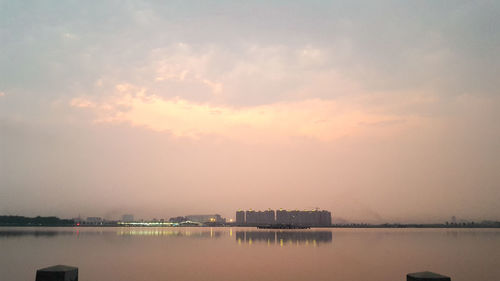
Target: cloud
247 75
259 93
319 119
382 101
69 36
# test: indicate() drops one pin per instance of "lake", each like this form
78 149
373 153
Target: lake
168 253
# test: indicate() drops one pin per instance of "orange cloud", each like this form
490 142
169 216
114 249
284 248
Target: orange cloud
315 118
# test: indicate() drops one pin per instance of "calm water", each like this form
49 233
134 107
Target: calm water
150 254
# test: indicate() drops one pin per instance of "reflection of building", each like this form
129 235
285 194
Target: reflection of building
299 236
313 238
168 232
285 217
266 236
206 218
240 236
128 218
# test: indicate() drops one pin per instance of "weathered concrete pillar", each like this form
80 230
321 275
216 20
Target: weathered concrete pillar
426 276
57 273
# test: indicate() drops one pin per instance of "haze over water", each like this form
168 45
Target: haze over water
248 254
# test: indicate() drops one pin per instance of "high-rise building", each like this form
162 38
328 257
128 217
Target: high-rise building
283 217
304 218
259 217
286 217
240 217
251 217
325 218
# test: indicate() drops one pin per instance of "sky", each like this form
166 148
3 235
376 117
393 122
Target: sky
379 111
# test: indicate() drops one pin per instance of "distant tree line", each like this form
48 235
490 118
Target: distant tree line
36 221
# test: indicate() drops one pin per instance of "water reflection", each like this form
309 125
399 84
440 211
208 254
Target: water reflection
279 237
245 254
283 238
6 233
169 232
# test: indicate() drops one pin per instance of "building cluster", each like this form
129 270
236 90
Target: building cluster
259 217
284 217
215 218
130 220
199 219
92 221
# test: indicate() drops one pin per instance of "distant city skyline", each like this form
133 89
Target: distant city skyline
295 217
376 111
240 218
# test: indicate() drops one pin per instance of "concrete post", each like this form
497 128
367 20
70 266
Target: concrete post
426 276
57 273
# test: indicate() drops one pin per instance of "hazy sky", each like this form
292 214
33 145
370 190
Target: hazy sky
377 111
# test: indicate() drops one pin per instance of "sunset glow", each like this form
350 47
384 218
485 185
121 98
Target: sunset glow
375 111
323 120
